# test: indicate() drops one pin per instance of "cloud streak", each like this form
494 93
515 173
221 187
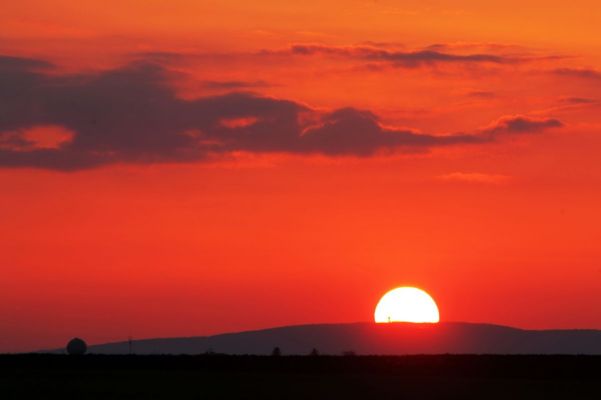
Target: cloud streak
475 177
234 85
407 59
520 124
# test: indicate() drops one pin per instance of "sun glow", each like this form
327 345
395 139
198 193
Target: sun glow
406 304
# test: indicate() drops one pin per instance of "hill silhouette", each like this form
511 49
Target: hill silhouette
374 339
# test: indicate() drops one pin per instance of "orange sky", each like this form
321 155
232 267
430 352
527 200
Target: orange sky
450 145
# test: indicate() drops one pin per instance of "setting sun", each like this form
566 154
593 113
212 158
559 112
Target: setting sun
406 304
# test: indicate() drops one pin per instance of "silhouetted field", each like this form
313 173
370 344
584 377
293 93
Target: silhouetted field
299 377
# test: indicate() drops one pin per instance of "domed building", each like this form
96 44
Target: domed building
76 347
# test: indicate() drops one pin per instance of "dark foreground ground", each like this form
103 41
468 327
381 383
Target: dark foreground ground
309 377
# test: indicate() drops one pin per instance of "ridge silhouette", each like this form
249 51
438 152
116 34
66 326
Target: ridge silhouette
377 339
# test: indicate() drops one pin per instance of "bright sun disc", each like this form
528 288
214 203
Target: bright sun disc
406 304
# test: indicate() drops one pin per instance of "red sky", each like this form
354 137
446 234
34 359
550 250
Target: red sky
189 168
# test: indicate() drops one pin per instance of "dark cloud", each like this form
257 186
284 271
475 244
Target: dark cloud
14 64
399 58
132 115
354 131
518 124
234 85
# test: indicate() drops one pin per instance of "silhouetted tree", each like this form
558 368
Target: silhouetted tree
276 352
348 353
314 352
76 347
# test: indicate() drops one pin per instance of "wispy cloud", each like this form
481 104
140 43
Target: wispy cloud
475 177
408 59
482 94
582 73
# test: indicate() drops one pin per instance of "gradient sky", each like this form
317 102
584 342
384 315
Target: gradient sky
193 167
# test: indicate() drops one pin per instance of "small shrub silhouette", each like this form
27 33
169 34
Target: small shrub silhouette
76 347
